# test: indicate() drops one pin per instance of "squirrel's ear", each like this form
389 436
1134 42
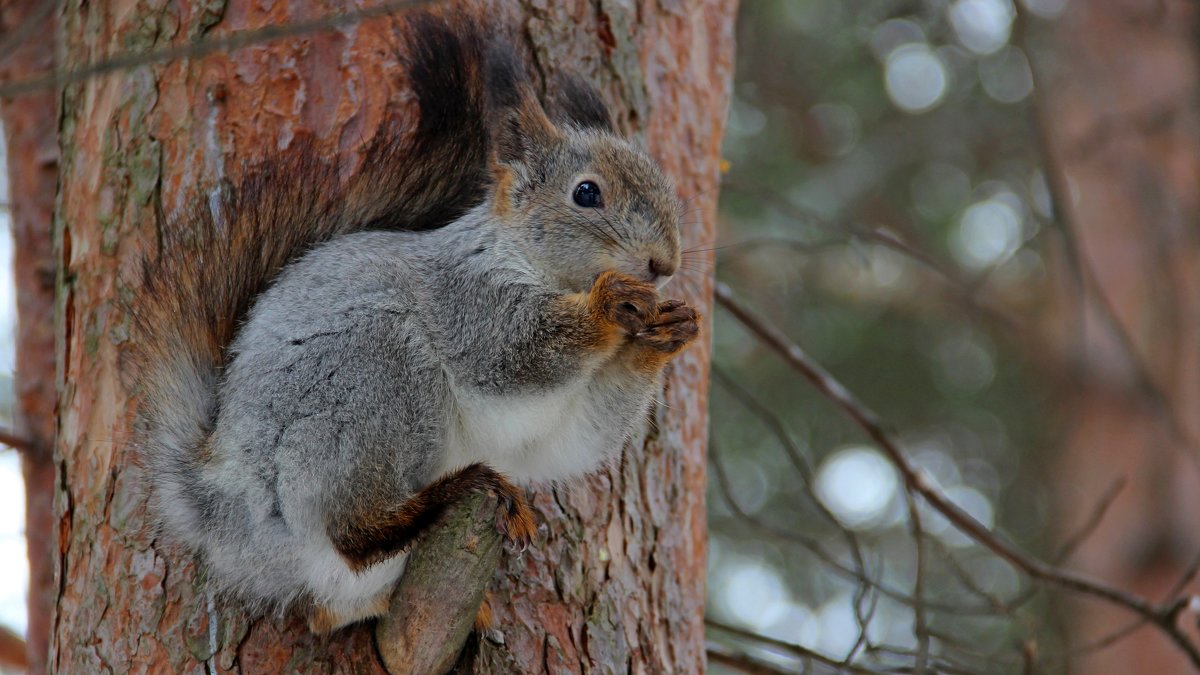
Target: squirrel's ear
521 133
574 101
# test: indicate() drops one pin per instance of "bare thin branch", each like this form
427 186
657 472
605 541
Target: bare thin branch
794 649
14 440
741 661
920 627
779 430
1106 500
968 582
814 547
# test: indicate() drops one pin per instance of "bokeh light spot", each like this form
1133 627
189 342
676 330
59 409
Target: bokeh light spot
983 26
857 484
798 625
839 630
915 77
755 595
988 232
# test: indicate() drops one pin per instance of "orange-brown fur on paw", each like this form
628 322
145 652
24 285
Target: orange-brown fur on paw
616 307
623 301
630 307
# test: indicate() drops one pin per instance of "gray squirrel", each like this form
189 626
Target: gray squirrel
325 365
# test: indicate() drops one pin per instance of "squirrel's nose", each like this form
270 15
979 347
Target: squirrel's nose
659 269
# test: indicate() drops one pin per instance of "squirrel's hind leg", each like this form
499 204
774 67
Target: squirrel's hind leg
368 536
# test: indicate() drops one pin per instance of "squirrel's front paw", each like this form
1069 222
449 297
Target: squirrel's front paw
628 302
674 326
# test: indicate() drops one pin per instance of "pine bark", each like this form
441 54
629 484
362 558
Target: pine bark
614 581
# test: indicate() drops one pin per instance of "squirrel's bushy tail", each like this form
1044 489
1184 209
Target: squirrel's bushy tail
213 263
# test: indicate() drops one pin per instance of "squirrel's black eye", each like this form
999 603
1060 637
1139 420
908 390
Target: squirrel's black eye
587 195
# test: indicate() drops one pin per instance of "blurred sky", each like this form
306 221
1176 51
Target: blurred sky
14 564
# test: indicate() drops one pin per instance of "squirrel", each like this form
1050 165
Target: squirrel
326 364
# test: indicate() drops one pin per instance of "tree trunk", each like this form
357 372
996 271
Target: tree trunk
615 579
1117 96
31 138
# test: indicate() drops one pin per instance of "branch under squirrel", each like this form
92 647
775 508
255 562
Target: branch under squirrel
434 605
12 650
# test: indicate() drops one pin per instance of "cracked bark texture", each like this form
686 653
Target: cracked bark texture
30 134
615 579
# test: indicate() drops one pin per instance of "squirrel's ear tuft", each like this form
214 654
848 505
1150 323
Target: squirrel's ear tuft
574 101
506 77
521 128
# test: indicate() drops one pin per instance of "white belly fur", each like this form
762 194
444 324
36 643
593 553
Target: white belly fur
531 438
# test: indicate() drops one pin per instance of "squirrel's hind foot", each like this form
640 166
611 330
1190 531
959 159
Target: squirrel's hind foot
324 619
484 620
514 518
